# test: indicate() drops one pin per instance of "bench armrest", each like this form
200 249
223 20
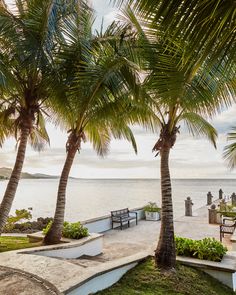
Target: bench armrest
133 212
116 217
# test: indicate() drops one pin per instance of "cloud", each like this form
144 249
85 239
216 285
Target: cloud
224 121
190 157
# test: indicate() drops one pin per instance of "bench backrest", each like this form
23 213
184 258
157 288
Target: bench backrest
122 212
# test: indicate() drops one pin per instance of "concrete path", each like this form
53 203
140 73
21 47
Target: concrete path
124 246
14 282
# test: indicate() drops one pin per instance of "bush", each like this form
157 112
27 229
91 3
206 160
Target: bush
70 230
229 211
47 228
206 249
20 215
152 207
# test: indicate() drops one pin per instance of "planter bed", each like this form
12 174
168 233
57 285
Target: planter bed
91 245
223 271
152 216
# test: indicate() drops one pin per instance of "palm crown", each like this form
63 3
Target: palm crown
27 39
101 84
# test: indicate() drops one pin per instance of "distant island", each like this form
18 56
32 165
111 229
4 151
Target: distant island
6 172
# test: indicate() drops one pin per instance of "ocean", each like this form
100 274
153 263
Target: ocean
89 198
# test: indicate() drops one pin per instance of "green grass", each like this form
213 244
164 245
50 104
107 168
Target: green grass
145 279
15 243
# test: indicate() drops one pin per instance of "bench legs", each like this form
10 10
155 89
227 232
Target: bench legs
121 224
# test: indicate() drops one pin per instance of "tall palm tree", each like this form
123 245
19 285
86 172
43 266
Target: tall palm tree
100 85
183 94
26 46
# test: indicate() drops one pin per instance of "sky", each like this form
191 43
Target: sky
190 157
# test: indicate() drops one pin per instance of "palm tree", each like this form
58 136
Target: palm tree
181 94
98 80
27 43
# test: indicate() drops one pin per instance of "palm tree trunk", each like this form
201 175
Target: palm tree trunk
54 234
165 256
14 178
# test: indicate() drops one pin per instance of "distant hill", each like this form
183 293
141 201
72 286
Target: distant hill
6 172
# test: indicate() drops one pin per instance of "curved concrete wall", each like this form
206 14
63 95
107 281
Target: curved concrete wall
102 281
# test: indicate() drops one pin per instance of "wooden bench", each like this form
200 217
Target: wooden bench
123 216
226 229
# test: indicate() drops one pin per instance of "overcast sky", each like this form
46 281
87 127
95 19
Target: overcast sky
190 158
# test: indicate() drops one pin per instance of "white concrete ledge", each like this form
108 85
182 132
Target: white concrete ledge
111 272
106 275
103 223
223 271
91 245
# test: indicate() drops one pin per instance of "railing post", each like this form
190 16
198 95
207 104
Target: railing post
188 207
220 194
233 199
209 198
212 214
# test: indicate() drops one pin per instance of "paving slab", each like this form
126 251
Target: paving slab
13 282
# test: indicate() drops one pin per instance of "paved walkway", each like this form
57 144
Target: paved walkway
13 281
119 246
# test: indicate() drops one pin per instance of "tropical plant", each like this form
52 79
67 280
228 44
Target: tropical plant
100 85
152 207
183 94
20 215
74 230
27 42
70 230
205 249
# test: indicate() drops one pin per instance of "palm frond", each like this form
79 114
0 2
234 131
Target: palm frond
229 153
198 126
99 137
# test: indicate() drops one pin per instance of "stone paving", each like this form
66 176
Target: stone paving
119 246
14 282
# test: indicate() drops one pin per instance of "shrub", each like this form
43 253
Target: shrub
229 211
46 229
70 230
74 230
152 207
205 249
19 216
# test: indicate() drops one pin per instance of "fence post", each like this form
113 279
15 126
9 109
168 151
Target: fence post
220 194
209 198
188 207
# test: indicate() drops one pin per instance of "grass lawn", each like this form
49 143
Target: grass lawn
145 279
15 243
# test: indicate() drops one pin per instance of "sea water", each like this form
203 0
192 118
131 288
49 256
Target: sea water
89 198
